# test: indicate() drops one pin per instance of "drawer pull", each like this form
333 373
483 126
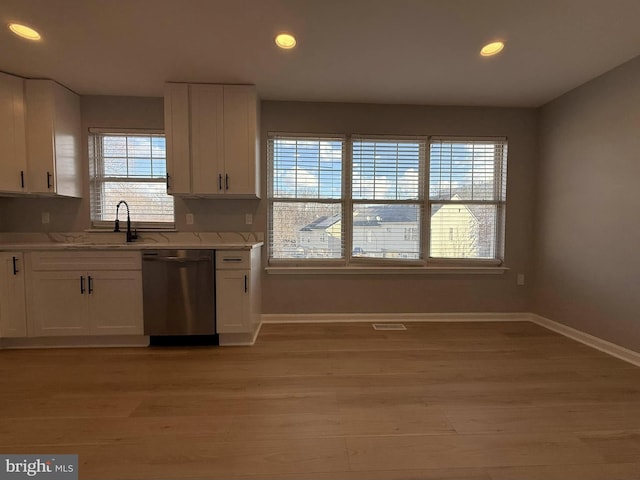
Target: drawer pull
232 259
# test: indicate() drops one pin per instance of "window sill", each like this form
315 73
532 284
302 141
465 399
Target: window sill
351 270
141 229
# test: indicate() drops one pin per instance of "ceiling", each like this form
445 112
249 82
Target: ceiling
380 51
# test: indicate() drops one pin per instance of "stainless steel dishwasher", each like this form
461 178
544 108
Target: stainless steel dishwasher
179 296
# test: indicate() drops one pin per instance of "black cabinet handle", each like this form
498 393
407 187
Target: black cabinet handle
220 182
90 284
81 285
245 284
15 266
21 178
48 180
226 182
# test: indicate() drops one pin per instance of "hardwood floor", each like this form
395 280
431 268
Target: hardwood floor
473 401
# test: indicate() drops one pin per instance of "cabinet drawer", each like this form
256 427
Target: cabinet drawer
85 260
233 259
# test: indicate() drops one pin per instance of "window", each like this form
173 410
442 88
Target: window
130 167
305 197
387 196
392 216
467 188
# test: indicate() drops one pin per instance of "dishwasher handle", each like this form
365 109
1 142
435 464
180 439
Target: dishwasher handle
176 259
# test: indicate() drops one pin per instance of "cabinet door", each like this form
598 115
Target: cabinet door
240 124
13 318
232 301
115 302
66 141
53 139
207 152
58 304
13 155
176 126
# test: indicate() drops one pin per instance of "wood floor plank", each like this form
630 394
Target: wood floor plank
430 474
398 419
551 418
19 432
415 452
290 425
196 457
629 471
213 405
448 401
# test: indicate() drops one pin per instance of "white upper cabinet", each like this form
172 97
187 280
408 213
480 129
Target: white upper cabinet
53 139
206 104
13 156
212 140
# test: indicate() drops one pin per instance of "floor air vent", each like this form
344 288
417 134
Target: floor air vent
389 326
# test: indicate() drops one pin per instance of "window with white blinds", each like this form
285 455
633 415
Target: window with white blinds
387 197
467 196
377 199
130 167
306 197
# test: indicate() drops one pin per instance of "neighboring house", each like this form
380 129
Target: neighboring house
454 232
391 231
320 237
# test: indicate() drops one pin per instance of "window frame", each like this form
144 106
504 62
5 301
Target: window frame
500 204
96 180
420 201
347 201
321 200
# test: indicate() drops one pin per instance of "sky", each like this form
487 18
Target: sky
146 156
382 169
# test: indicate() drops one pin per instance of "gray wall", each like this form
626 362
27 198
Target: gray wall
588 218
334 293
414 293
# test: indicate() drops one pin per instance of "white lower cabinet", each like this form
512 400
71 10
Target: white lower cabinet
13 316
233 305
58 306
90 301
115 303
237 295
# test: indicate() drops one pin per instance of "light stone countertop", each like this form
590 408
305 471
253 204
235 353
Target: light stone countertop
116 241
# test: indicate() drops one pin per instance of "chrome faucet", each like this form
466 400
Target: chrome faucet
131 236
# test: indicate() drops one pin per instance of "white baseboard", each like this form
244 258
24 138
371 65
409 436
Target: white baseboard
239 339
603 345
394 317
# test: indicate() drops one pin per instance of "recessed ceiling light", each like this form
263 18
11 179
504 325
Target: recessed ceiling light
286 41
24 31
491 49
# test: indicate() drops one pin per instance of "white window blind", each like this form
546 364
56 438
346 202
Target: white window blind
387 193
467 195
305 197
130 167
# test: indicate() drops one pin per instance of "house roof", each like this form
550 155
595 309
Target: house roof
374 215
